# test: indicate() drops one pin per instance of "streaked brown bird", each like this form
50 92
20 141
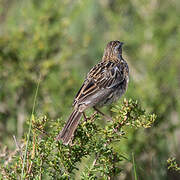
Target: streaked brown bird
105 83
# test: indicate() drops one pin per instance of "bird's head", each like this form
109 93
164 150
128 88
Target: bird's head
113 50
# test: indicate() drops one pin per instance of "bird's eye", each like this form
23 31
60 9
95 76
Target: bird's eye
117 48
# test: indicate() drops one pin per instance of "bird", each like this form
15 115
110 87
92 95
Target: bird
105 83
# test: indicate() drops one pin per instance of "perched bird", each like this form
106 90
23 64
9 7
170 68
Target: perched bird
105 83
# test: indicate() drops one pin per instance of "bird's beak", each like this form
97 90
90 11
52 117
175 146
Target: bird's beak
122 43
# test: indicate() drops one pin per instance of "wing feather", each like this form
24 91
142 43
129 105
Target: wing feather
103 76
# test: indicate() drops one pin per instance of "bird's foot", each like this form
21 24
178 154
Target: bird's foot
105 116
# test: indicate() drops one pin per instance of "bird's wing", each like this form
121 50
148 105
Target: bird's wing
100 81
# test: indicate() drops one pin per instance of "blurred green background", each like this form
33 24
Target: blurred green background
62 40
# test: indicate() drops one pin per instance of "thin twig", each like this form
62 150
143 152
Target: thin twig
42 131
94 162
17 145
12 154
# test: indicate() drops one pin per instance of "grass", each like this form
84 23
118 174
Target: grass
134 167
30 126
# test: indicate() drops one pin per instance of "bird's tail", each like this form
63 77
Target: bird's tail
71 125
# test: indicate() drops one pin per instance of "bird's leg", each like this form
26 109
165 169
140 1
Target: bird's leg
108 119
105 116
84 115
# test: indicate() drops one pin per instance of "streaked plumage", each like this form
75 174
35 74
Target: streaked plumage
105 83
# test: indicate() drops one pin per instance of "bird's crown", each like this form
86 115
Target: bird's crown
113 50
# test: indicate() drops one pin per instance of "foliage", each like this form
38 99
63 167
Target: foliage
172 164
49 158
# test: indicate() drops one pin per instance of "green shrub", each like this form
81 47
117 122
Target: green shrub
93 143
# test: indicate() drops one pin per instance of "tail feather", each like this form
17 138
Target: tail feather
66 134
